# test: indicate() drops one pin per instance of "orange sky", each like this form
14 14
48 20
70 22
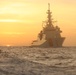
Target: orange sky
21 20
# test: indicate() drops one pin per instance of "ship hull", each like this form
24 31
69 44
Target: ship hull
51 42
57 42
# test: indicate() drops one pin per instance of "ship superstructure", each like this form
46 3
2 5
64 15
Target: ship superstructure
50 35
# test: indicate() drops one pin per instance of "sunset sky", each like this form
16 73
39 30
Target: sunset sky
21 20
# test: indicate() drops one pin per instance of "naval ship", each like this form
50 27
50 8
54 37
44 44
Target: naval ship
50 35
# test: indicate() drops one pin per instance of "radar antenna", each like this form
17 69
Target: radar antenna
48 6
49 16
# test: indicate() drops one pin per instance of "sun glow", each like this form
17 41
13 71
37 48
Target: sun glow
21 20
8 45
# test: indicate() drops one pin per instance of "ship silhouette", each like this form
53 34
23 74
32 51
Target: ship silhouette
50 35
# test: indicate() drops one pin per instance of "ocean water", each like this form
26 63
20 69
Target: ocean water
37 61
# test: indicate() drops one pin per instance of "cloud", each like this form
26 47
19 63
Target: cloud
9 20
12 33
66 1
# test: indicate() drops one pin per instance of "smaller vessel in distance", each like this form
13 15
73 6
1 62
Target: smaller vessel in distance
50 35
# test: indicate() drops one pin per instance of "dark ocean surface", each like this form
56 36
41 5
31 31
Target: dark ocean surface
37 61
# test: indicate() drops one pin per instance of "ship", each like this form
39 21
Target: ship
50 35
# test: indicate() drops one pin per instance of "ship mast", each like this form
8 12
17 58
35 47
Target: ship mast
49 21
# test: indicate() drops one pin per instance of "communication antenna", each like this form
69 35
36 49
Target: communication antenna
48 6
